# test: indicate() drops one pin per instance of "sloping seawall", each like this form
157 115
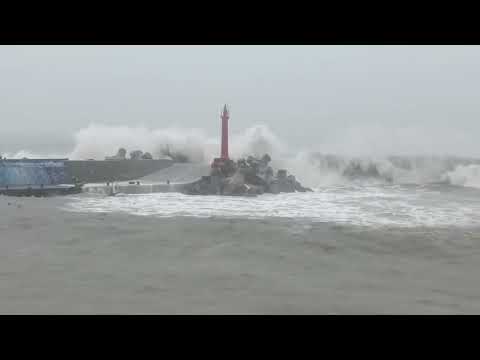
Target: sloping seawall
173 178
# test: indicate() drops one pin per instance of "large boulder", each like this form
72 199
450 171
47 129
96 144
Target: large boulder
254 189
266 159
282 174
234 185
273 187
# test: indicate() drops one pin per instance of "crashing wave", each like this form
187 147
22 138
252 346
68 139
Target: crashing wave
327 169
464 175
313 169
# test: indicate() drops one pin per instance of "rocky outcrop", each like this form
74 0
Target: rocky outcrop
246 177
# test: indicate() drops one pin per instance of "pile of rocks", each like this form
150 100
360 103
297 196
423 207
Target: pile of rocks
249 176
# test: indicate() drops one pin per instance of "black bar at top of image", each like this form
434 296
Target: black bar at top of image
237 28
189 23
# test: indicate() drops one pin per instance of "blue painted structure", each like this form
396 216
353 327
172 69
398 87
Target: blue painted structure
36 172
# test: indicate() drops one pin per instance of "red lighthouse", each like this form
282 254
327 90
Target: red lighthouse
225 117
224 159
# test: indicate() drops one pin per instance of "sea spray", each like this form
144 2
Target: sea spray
97 141
311 168
465 175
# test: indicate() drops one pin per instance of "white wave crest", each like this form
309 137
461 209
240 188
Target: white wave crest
98 141
312 169
465 175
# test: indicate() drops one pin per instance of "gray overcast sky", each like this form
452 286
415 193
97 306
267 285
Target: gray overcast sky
384 98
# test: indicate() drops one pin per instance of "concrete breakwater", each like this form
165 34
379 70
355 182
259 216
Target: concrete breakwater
134 188
94 171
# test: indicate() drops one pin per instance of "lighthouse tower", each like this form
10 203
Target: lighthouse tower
224 149
224 159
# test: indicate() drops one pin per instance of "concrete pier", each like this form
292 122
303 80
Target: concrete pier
126 188
92 171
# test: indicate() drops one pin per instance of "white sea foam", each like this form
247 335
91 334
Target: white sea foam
357 205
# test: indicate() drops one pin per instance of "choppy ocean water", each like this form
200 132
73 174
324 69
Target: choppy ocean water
340 250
